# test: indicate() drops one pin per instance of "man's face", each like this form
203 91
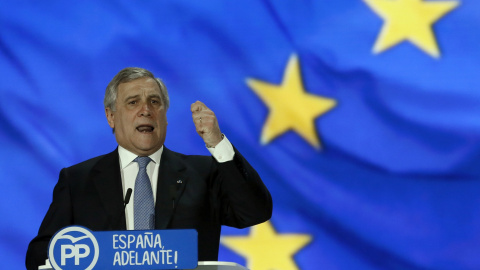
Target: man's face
140 119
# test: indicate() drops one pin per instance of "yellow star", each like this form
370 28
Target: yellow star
264 249
410 20
291 108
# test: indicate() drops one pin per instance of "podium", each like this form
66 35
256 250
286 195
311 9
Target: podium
76 247
207 265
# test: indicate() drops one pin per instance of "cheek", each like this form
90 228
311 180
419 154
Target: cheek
124 121
162 119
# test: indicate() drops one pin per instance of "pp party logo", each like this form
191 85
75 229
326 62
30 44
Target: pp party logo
73 248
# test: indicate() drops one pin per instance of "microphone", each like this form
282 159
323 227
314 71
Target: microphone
126 201
127 198
172 191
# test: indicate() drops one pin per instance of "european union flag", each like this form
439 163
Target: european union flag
362 117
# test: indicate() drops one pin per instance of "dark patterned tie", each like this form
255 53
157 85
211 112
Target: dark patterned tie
144 208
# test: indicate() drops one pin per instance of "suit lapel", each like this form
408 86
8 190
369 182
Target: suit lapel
107 179
172 180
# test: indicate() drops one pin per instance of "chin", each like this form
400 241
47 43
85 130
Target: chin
149 147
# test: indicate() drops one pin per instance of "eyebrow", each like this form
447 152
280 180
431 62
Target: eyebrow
137 96
131 97
154 96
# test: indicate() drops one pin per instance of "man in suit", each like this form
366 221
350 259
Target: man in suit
197 192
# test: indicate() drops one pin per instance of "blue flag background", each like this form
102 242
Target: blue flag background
393 183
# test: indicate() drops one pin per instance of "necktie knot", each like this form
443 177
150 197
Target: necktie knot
142 161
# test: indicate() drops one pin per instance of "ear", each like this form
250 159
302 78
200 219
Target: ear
110 117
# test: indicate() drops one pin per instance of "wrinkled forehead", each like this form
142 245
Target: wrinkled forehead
142 86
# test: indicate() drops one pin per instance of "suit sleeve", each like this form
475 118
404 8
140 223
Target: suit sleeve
243 198
59 215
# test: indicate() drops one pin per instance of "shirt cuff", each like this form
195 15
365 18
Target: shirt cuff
223 151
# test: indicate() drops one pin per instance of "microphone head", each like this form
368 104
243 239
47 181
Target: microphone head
128 195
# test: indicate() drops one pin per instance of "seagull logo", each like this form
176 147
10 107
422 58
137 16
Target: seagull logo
73 239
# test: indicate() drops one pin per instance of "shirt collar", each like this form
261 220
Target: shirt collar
127 157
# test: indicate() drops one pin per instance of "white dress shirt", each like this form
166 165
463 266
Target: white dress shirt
223 152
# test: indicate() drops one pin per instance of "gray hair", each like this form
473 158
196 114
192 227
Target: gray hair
127 75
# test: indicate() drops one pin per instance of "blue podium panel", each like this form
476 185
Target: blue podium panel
76 248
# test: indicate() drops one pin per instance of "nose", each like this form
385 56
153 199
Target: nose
146 109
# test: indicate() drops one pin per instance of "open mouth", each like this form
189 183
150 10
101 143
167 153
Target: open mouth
145 128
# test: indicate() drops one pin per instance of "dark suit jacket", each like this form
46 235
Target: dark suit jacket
211 194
